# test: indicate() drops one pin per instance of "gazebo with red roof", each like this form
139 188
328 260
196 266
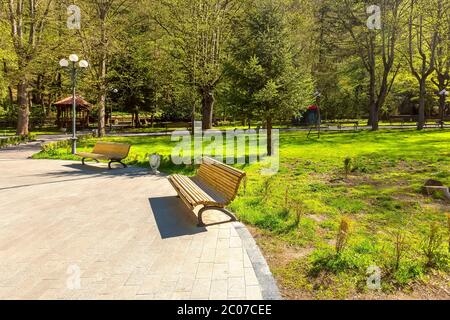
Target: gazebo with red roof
64 112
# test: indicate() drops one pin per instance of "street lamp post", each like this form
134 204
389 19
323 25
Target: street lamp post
115 91
83 64
318 95
443 94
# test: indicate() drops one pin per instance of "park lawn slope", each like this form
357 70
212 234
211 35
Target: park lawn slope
365 187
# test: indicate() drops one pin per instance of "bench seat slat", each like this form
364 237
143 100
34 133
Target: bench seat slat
193 193
182 192
191 189
92 155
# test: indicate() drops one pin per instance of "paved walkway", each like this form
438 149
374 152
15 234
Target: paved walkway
74 232
24 151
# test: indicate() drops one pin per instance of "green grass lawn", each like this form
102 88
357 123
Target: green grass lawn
296 215
48 131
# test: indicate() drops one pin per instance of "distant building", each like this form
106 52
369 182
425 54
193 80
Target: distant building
64 112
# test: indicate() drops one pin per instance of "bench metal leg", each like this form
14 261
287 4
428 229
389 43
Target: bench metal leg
118 161
202 210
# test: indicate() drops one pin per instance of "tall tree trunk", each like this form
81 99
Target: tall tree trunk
373 107
269 135
101 112
442 83
11 96
382 94
102 105
421 118
137 120
23 109
207 108
10 90
442 99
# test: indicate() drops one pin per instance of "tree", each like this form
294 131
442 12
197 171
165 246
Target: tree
197 33
104 21
442 57
27 21
265 77
374 47
422 41
6 52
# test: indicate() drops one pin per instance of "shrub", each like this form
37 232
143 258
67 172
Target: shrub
298 213
53 146
431 246
408 271
268 222
347 166
448 230
400 247
327 260
14 140
286 198
266 188
343 235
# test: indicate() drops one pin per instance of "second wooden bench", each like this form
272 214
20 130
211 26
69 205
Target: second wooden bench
114 152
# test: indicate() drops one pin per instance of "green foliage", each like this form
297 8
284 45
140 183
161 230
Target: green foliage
346 261
266 79
433 249
14 140
343 235
347 166
378 200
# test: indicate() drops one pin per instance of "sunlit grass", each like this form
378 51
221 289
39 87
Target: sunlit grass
302 205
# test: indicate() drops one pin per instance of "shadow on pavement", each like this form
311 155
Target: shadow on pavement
77 171
173 218
97 170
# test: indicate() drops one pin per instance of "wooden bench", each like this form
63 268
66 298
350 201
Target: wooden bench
403 119
341 124
114 152
214 187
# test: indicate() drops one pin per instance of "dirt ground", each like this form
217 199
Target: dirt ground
278 255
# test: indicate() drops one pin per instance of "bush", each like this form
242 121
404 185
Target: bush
53 146
343 235
432 248
349 260
14 140
347 166
408 271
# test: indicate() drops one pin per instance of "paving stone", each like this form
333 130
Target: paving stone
236 268
219 290
208 255
224 233
185 284
235 242
220 271
236 287
201 289
55 218
250 277
205 270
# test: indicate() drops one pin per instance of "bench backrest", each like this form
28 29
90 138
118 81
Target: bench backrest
117 151
220 177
